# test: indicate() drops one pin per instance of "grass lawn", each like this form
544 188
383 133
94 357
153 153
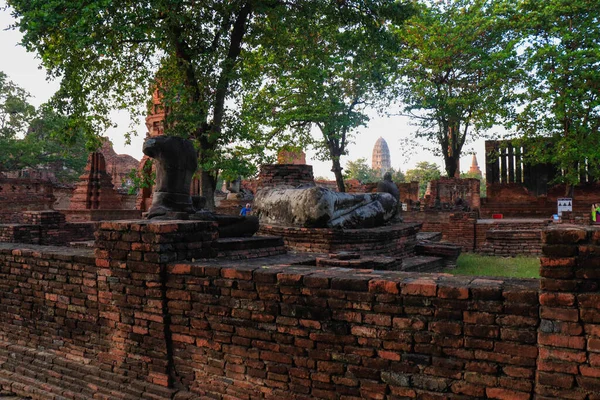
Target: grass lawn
516 267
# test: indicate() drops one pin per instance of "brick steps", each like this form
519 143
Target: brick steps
429 236
423 264
447 251
251 247
54 378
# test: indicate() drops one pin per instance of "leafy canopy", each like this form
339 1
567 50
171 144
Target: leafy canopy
333 66
26 139
561 103
197 53
424 172
458 67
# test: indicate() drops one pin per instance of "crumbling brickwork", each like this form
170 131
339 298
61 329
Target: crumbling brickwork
136 321
284 175
23 194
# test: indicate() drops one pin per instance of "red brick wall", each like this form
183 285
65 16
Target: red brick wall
286 175
137 322
450 189
514 200
569 338
456 227
279 332
46 228
23 194
409 192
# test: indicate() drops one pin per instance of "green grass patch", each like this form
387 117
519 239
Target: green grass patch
515 267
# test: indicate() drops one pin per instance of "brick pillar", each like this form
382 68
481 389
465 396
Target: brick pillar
569 333
131 257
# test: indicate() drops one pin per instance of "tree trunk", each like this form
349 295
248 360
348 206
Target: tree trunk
451 166
207 189
337 171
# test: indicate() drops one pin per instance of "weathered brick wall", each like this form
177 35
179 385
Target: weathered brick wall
23 194
456 227
569 334
131 258
138 322
276 331
448 190
511 243
285 175
510 237
514 200
46 228
409 192
48 299
55 332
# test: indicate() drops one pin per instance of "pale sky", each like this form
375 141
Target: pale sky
24 69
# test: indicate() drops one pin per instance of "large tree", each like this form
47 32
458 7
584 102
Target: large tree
25 139
15 110
340 64
108 53
458 69
560 117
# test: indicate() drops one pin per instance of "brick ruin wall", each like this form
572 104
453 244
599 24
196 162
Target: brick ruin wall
449 190
23 194
46 228
505 237
134 322
290 175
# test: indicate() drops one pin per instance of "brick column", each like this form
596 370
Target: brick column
131 257
569 333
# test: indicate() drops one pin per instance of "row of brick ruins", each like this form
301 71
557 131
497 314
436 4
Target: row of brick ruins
452 206
168 310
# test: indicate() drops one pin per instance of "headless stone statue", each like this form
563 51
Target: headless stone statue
176 162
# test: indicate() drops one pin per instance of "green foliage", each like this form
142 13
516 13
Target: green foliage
140 179
561 103
458 68
15 111
424 172
28 137
479 265
332 66
200 55
361 171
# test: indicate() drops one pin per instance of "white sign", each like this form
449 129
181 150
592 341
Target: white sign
564 204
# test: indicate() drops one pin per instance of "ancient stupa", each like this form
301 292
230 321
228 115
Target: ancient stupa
475 167
381 160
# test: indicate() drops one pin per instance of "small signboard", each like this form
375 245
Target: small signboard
404 207
564 204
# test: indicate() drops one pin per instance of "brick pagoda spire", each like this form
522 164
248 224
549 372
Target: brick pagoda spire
475 167
95 190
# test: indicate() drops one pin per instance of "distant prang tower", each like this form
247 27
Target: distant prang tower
381 160
475 167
